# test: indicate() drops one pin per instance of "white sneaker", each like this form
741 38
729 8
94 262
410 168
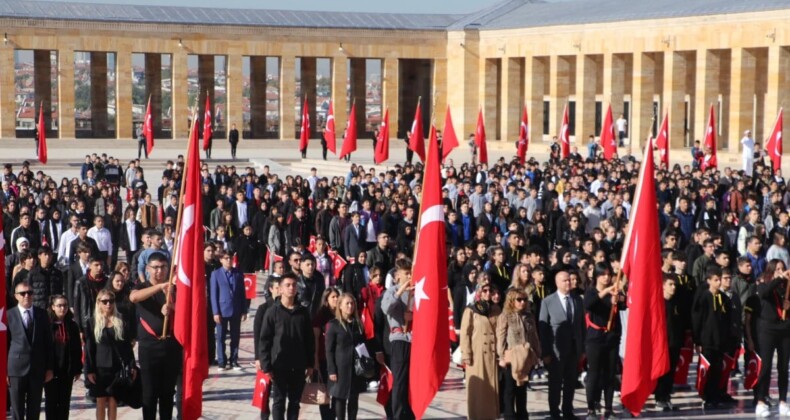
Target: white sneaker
784 409
762 410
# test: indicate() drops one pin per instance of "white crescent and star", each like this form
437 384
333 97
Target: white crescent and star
186 224
419 293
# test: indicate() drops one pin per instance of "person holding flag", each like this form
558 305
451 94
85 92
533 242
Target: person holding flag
523 138
304 131
208 135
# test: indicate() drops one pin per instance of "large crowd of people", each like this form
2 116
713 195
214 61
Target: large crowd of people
533 278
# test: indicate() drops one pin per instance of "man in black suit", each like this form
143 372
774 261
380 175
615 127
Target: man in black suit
30 357
353 237
561 327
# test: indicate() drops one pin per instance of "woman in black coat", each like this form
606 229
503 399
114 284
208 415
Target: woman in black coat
68 358
343 335
356 276
248 250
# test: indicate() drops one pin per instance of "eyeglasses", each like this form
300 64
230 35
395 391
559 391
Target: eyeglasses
296 260
25 293
107 301
521 300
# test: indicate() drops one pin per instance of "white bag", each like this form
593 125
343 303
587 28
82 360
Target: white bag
458 357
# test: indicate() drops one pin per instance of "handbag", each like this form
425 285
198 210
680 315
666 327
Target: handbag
314 393
364 366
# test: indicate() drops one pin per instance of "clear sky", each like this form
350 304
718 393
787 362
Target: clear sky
397 6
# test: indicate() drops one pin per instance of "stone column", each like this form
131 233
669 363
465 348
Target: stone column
439 89
512 100
586 78
339 97
535 80
7 93
559 74
43 87
390 91
65 94
707 90
308 84
99 120
182 113
489 92
235 92
359 92
674 96
153 88
614 89
644 87
123 93
778 82
287 99
257 96
742 89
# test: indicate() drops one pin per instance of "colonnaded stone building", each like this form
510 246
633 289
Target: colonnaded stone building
644 57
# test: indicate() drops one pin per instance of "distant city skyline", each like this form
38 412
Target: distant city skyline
401 6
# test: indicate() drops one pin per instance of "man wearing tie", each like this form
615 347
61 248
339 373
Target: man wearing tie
353 237
561 327
30 357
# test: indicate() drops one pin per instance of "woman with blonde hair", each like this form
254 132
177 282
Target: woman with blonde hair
521 278
106 352
343 335
478 349
518 349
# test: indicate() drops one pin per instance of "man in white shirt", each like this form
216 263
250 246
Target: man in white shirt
622 127
64 249
748 153
103 239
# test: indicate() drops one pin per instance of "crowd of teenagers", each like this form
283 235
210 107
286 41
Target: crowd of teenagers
533 278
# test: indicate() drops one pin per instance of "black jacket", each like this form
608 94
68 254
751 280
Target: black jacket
286 340
68 354
45 282
711 321
341 340
31 358
257 325
85 291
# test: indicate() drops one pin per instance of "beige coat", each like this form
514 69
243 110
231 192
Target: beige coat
518 343
478 346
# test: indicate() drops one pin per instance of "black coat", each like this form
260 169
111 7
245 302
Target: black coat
248 251
341 341
45 282
67 355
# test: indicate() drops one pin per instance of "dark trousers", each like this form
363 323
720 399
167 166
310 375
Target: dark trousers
348 157
346 409
141 149
325 410
562 379
230 325
400 357
514 397
208 150
665 383
409 155
304 153
211 337
601 371
769 342
160 366
323 151
712 392
58 397
25 396
233 150
287 383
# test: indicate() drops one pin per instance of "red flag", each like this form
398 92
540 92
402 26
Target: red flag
417 139
250 285
338 263
430 355
703 368
207 124
382 152
260 398
42 136
480 138
304 132
267 260
329 130
350 139
311 245
774 143
646 345
608 140
710 142
453 335
148 129
385 386
682 368
753 366
4 322
523 137
565 135
449 140
190 318
366 316
662 142
727 366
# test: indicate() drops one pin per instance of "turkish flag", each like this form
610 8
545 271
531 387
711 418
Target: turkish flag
703 368
565 134
710 142
449 140
385 386
190 312
148 129
608 140
338 263
480 138
42 136
366 316
350 139
417 139
662 142
329 130
646 348
523 137
382 152
430 348
311 245
250 285
304 132
727 366
4 329
260 398
684 363
207 124
267 260
453 336
774 143
753 366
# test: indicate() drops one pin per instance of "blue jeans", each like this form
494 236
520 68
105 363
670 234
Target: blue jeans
232 325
